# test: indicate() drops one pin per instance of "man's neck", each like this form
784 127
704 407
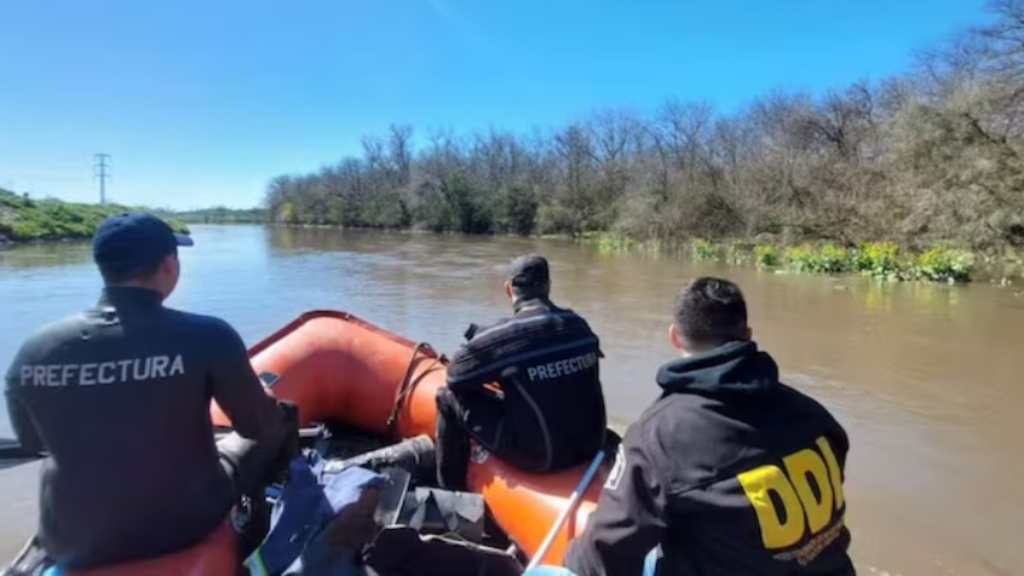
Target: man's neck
528 302
136 284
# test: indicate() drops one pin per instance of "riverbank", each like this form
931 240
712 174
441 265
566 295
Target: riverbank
221 215
942 262
24 219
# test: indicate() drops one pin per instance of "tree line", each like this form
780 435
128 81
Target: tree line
220 215
933 154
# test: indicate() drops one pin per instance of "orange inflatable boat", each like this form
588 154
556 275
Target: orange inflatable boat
337 367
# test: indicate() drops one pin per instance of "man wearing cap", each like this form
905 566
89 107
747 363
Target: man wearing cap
549 413
119 398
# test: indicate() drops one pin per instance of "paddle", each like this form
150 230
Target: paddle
574 500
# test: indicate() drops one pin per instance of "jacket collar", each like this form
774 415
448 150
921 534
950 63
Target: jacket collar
120 297
526 304
735 367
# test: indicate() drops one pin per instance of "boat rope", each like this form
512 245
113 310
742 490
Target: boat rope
406 384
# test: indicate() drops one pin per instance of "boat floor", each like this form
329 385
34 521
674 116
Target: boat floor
339 441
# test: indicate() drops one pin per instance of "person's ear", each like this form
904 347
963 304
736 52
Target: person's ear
675 338
748 333
169 264
508 289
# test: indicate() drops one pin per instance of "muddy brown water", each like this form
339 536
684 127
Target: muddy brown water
927 379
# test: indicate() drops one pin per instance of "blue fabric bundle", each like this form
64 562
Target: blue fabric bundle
314 495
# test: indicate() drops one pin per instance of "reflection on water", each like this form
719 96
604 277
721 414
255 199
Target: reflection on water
926 378
43 255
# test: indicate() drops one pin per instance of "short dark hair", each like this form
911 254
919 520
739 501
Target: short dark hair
113 273
529 276
710 312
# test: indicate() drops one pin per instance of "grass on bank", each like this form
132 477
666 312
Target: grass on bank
24 219
884 260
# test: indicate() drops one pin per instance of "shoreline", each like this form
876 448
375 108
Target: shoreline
942 262
48 220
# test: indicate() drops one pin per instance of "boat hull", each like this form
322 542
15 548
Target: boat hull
337 367
216 555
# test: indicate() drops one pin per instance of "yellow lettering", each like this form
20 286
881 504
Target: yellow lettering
758 484
833 471
801 465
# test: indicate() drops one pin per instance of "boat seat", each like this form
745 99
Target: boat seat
217 554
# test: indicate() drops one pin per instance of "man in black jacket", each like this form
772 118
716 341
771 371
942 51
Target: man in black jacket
729 472
549 413
119 398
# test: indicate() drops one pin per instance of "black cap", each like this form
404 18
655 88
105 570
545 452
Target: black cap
131 240
529 271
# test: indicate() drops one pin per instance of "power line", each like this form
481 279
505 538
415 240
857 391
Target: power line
99 168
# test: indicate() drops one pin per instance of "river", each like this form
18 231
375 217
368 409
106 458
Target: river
926 378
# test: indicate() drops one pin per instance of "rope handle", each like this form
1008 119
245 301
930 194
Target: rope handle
406 384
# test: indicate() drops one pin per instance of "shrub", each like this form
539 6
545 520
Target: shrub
944 263
801 258
703 250
610 243
832 259
881 259
767 256
828 259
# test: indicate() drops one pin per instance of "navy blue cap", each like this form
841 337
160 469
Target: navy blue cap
130 240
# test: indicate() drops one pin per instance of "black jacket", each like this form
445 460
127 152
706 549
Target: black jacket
730 472
546 361
119 397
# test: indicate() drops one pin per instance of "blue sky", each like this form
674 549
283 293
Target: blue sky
200 103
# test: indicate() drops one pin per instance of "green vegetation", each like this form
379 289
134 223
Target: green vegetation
879 259
825 259
944 264
885 260
26 219
928 156
767 256
704 250
221 215
610 243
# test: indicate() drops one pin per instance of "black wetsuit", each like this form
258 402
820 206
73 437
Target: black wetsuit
551 412
730 472
119 397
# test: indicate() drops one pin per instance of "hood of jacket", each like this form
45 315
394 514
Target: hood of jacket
732 368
